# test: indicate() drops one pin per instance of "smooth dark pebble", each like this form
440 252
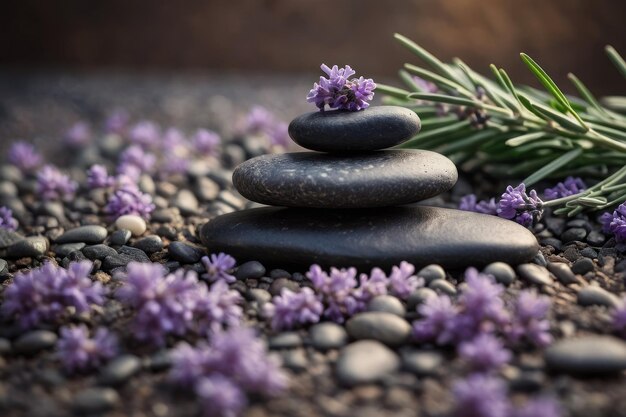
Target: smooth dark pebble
443 286
555 224
554 242
294 359
540 260
149 244
278 284
366 361
387 303
250 269
228 197
34 341
589 252
502 272
571 254
4 267
7 238
431 273
328 335
95 400
167 232
67 248
159 361
528 381
285 340
298 277
582 266
422 362
5 346
119 237
185 252
419 296
34 246
382 326
186 202
620 267
574 234
588 355
162 216
595 295
534 274
99 251
120 370
91 234
279 273
206 189
562 272
260 296
135 254
595 238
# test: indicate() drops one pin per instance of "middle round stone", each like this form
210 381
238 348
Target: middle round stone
361 180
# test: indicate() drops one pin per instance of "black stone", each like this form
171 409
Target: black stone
562 272
91 234
574 234
95 400
124 257
251 269
365 238
67 248
134 254
582 266
98 251
375 128
185 253
587 355
373 179
120 237
595 295
34 341
149 244
535 274
595 238
7 238
4 267
34 246
120 369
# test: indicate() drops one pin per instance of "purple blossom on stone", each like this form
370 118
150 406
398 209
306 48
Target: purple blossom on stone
206 142
219 267
403 281
24 156
220 397
540 407
44 294
98 177
515 204
618 318
529 321
7 221
339 92
571 186
116 122
128 199
470 203
78 135
481 395
52 184
437 322
293 308
145 133
615 223
484 353
79 352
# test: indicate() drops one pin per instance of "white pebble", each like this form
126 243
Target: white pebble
135 224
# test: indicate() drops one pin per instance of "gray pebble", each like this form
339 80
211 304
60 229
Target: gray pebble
100 251
186 202
120 370
119 237
595 238
562 272
160 361
595 295
149 244
285 340
5 346
422 362
443 286
7 238
589 252
4 267
418 296
582 266
431 273
91 234
65 249
551 241
259 295
294 359
278 284
279 273
387 303
206 189
34 341
251 269
587 355
231 199
34 246
125 256
502 272
384 327
535 274
94 400
185 252
328 335
539 259
574 234
366 361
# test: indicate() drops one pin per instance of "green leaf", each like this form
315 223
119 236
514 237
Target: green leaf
560 118
435 133
528 137
435 63
617 59
586 94
440 81
553 166
408 81
392 91
442 98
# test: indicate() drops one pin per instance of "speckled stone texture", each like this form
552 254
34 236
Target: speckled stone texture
371 129
363 180
367 238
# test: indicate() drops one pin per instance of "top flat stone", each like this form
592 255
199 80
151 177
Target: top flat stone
371 129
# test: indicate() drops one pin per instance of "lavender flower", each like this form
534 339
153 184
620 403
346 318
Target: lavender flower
278 135
424 85
219 267
371 286
116 122
566 188
217 308
78 352
53 185
206 142
134 155
515 204
402 281
484 353
290 308
470 203
220 396
529 320
45 293
337 91
258 120
336 290
618 317
437 322
540 407
145 133
615 223
24 156
7 221
482 305
78 135
480 395
128 199
98 177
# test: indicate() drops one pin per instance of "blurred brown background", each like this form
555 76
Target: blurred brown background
297 35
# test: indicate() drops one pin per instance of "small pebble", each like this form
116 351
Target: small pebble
294 359
574 234
186 202
540 260
131 222
365 361
149 244
65 249
120 370
251 269
95 400
418 296
279 273
387 303
5 346
534 274
589 252
502 272
443 286
595 295
119 237
595 238
285 340
555 243
328 335
588 355
34 246
562 272
91 234
431 273
34 341
582 266
4 267
422 362
384 327
258 295
185 252
100 251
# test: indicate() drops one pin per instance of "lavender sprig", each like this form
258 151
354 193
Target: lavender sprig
338 91
80 352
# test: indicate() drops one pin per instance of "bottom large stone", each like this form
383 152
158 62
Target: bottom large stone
368 237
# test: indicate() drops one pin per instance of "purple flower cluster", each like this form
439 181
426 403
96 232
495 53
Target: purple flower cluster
98 177
7 221
135 156
24 156
52 184
127 198
471 203
116 122
219 267
571 186
484 353
145 133
260 121
515 204
78 135
79 352
206 142
44 294
339 92
222 373
615 223
175 304
481 310
293 308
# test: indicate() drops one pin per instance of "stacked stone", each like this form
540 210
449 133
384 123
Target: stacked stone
345 204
